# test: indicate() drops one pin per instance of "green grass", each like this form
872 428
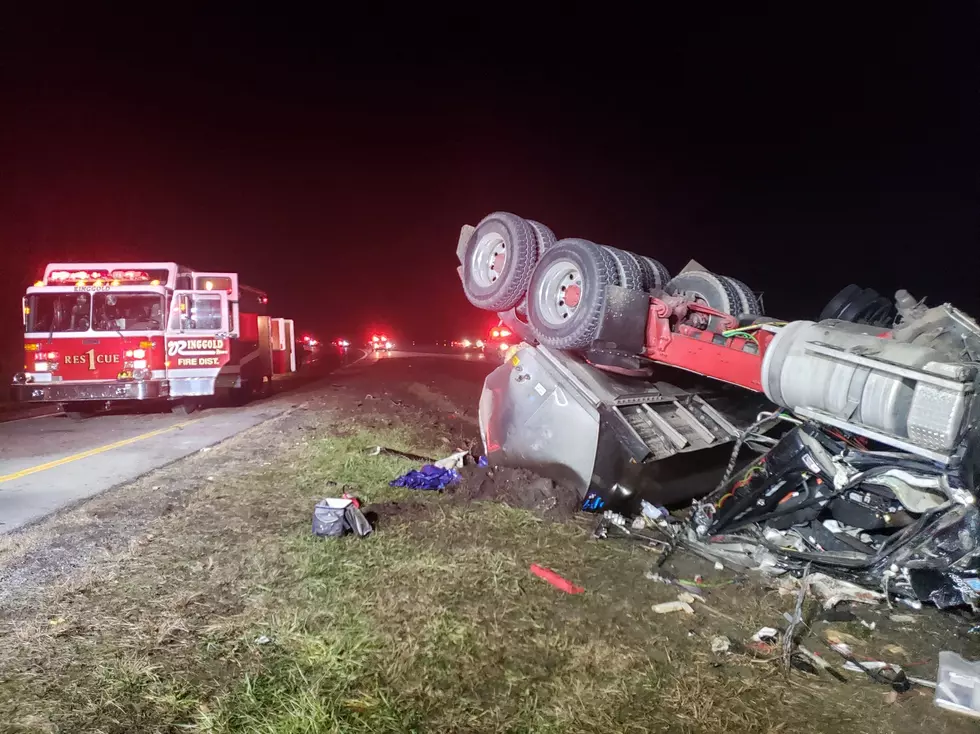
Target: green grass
431 624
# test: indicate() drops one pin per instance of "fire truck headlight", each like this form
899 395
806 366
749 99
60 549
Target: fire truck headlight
504 346
40 366
139 353
141 374
139 364
20 378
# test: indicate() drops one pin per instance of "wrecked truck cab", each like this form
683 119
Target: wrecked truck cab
619 438
870 477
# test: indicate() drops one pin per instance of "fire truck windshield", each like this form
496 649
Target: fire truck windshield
59 312
127 311
54 312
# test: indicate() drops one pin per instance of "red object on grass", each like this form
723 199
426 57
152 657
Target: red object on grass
555 580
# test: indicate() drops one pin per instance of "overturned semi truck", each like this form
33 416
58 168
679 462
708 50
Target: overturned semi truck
849 443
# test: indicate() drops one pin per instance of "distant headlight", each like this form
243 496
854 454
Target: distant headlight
479 343
503 346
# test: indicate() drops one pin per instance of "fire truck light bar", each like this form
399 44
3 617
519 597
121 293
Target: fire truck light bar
61 277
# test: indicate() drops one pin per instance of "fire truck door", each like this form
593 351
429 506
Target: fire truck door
198 341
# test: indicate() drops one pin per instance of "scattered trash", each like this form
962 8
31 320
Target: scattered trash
686 598
555 580
766 634
262 640
958 684
665 578
974 629
652 512
820 663
869 625
883 673
719 566
668 607
453 461
334 516
836 636
428 477
834 591
720 644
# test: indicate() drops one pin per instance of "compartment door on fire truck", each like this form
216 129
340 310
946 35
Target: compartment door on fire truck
198 338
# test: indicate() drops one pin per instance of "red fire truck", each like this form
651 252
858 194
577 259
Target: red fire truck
99 333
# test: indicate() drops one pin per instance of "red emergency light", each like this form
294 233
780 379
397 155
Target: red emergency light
86 276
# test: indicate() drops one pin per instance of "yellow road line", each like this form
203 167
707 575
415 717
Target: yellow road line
90 452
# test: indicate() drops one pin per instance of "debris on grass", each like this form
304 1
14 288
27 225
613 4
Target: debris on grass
559 582
668 607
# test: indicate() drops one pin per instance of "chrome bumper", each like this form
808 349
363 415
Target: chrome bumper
78 391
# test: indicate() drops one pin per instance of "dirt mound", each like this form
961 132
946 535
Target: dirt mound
517 488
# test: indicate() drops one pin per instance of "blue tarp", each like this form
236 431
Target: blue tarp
428 477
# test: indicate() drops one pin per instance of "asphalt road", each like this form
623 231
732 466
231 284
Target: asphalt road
48 462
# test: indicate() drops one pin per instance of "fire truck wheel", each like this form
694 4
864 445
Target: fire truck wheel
184 406
707 288
630 276
567 293
749 304
498 261
655 275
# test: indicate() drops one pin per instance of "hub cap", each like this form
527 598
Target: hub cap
488 259
559 292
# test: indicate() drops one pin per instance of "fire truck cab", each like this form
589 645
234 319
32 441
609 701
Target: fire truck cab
98 333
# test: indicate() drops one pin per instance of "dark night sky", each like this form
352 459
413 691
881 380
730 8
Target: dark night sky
331 160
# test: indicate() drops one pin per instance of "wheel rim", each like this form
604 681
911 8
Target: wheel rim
488 259
559 292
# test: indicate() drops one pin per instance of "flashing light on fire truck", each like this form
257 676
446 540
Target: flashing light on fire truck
101 333
380 342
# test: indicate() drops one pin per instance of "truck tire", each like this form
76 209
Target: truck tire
749 304
498 261
655 276
710 289
543 236
545 240
628 269
576 270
